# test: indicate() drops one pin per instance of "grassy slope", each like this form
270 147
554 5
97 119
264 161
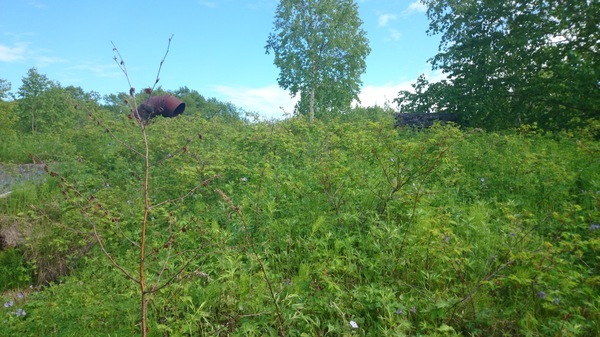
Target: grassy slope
441 232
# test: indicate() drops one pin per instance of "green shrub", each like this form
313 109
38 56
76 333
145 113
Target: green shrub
14 270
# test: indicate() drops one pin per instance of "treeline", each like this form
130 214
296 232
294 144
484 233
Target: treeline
43 105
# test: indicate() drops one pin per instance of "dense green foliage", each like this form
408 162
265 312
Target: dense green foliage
5 87
332 227
348 222
510 63
320 50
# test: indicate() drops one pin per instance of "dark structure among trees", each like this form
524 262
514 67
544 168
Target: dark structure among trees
423 120
165 105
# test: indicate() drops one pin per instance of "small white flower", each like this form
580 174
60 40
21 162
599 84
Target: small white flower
353 325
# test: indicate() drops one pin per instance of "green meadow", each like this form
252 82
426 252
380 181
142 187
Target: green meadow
344 226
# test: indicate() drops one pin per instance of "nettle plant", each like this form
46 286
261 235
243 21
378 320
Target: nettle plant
145 238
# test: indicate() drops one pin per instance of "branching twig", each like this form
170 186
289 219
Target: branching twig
93 225
146 186
161 64
118 140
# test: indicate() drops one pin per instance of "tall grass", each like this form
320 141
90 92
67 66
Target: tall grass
346 227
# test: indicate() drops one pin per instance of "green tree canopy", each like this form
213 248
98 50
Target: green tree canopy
7 117
513 62
4 89
45 106
320 50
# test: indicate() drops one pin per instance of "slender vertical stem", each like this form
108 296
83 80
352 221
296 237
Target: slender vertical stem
144 225
312 105
142 124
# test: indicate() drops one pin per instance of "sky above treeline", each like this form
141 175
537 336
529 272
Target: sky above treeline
218 47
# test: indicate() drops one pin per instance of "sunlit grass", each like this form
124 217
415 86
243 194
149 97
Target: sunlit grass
440 232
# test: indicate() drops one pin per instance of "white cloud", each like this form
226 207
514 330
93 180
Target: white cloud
21 52
209 4
384 19
36 4
269 102
12 54
415 7
382 95
43 61
395 34
106 70
385 94
272 102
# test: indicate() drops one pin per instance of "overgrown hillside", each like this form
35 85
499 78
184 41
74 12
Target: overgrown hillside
347 226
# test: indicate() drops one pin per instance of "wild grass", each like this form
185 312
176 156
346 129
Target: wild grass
332 228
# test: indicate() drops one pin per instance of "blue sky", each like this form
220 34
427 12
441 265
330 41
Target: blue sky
217 47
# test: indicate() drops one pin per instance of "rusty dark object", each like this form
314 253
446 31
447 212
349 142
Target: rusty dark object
423 120
166 106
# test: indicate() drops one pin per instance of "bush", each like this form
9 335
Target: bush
14 270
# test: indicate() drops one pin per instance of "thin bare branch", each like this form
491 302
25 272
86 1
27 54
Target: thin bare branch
78 193
161 63
108 255
117 139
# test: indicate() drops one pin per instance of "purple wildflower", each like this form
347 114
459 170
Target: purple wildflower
594 226
353 325
413 310
399 312
542 295
556 300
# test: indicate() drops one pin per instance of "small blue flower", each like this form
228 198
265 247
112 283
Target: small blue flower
413 310
399 312
594 226
353 325
556 300
542 295
447 238
244 179
19 295
9 304
20 312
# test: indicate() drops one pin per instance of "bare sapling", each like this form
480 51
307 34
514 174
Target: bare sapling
161 259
